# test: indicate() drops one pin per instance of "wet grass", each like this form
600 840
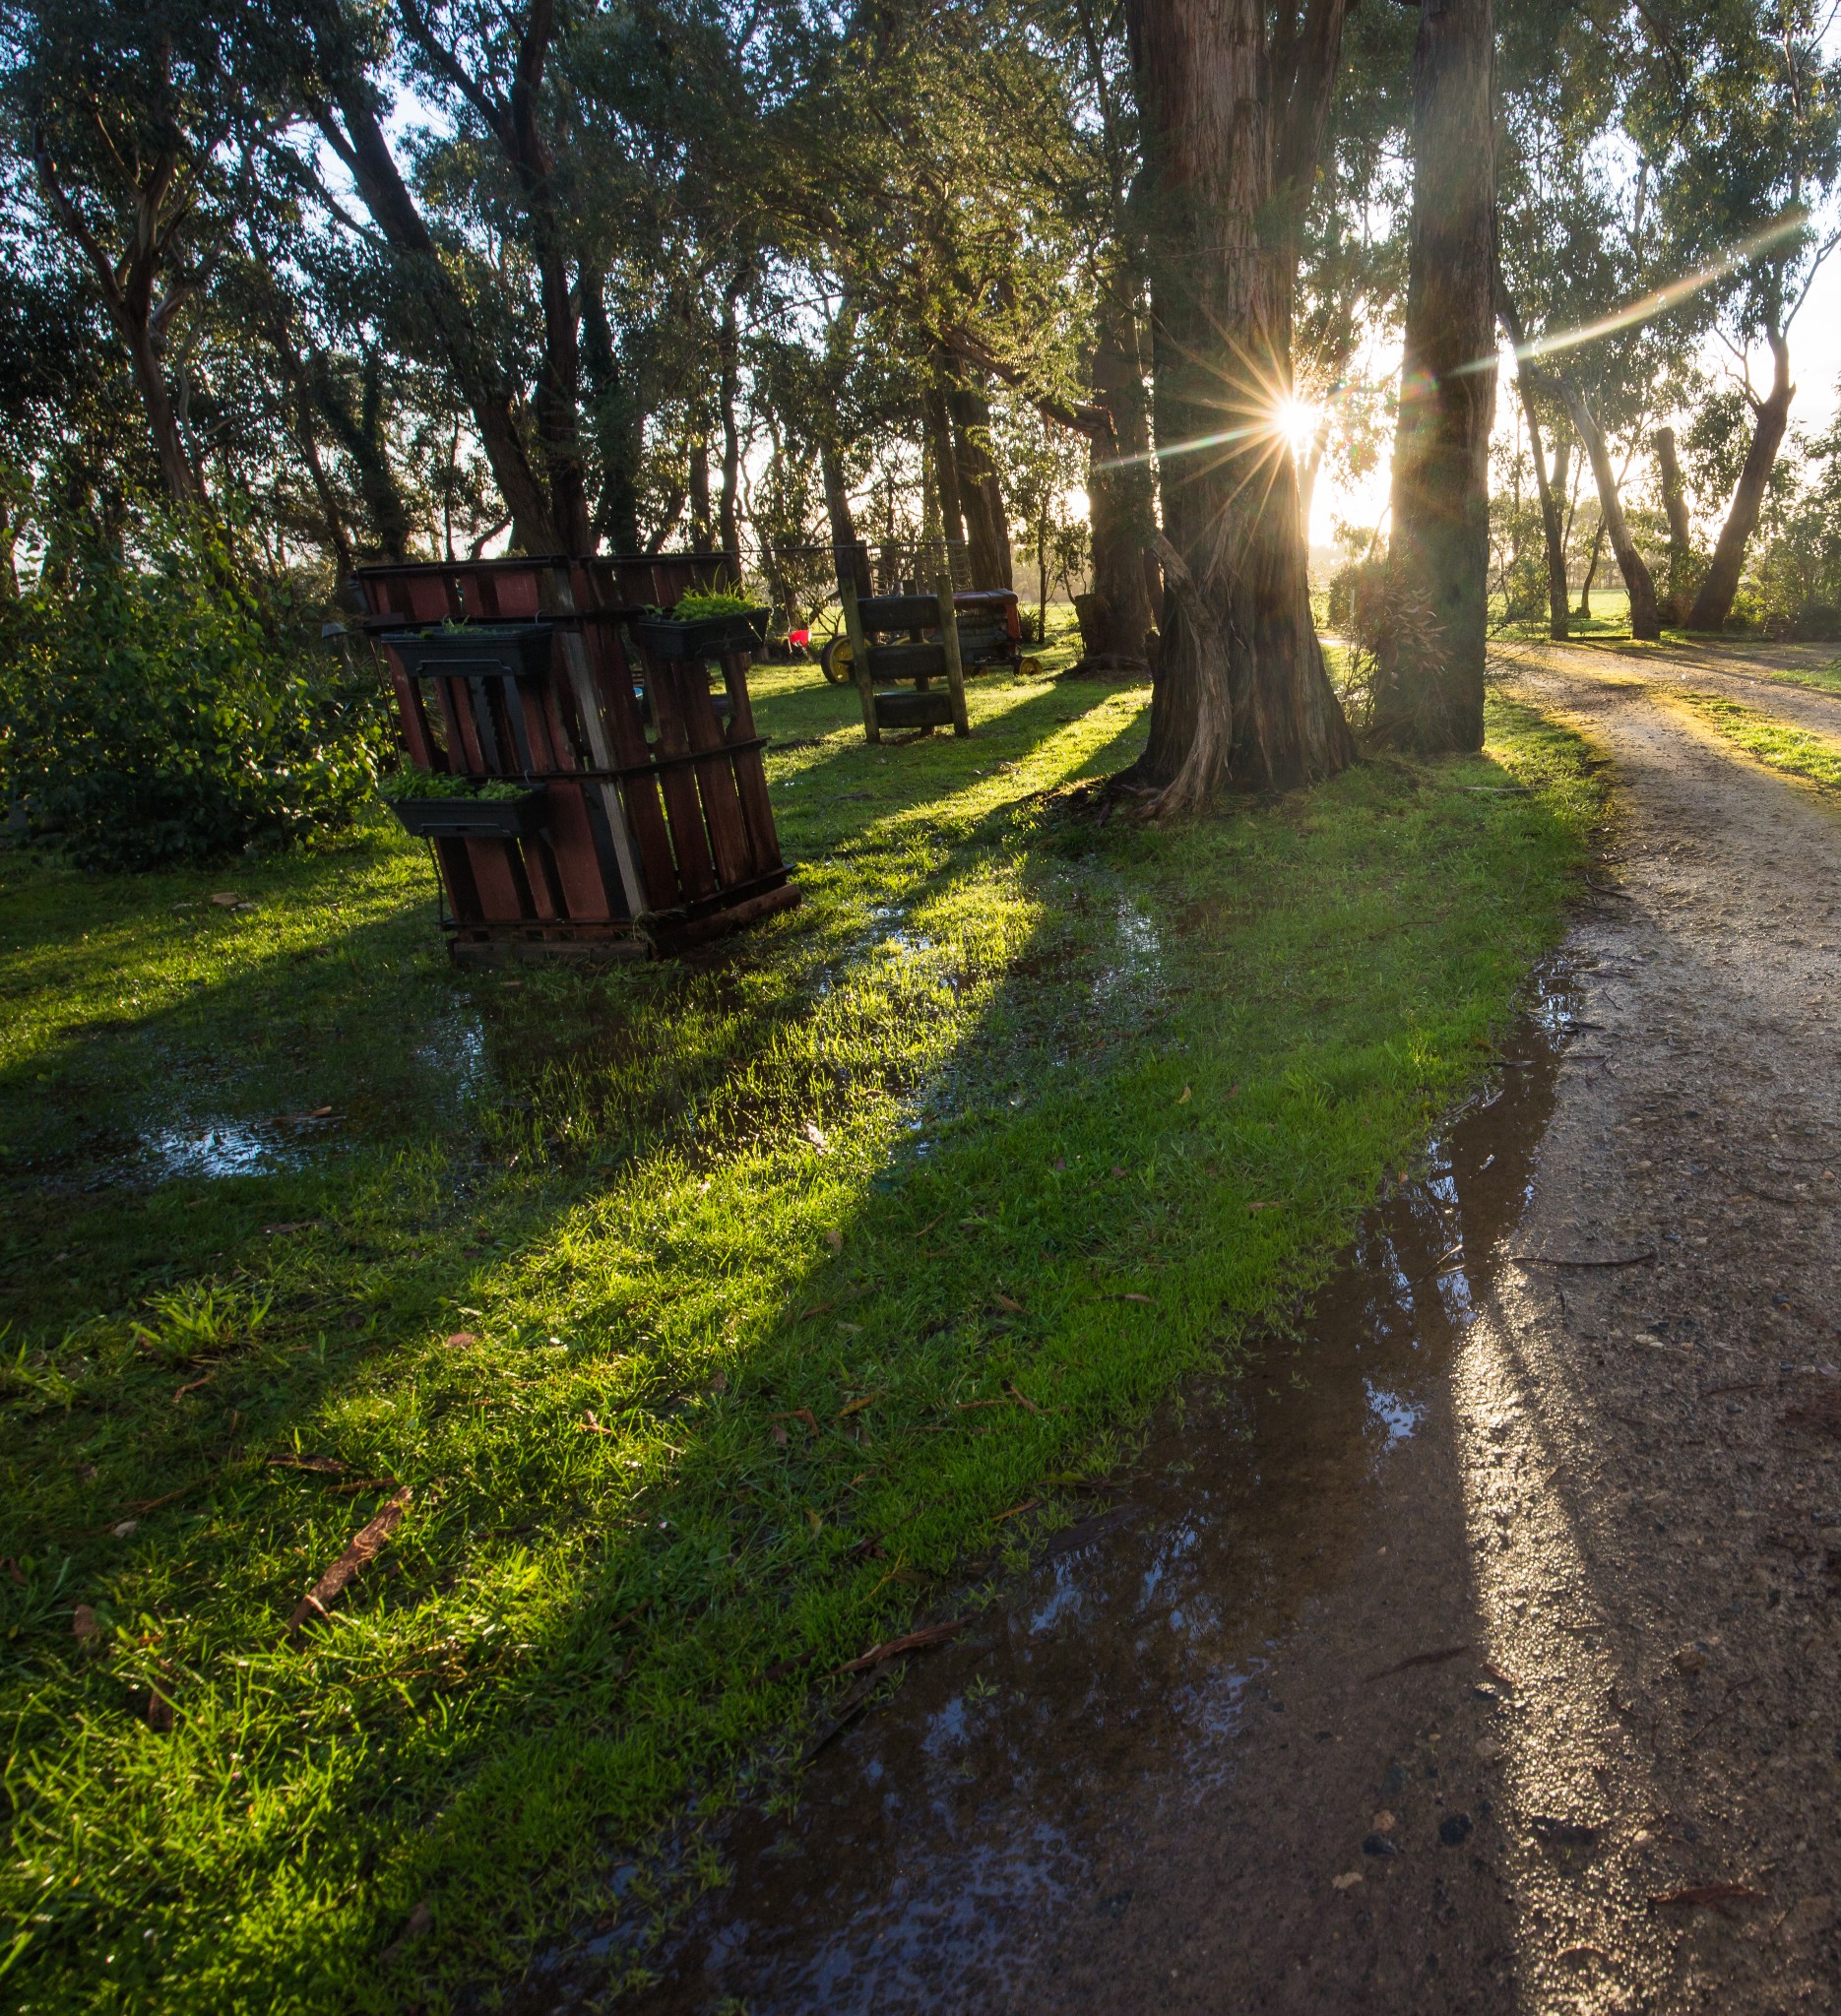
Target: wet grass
720 1317
1793 751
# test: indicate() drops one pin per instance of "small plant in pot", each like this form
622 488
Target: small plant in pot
704 626
440 804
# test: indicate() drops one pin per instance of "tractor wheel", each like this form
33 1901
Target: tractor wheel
836 661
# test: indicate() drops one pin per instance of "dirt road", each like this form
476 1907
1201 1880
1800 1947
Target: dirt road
1484 1653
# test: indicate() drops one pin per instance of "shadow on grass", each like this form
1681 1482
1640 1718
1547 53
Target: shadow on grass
944 1197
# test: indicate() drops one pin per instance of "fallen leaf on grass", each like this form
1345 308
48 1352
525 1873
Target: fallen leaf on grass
1714 1894
125 1529
1015 1511
816 1309
1450 1652
1185 1100
589 1425
225 898
1271 1204
461 1338
1347 1881
1128 1299
815 1135
798 1413
158 1712
83 1622
192 1386
834 1238
1009 1307
857 1405
913 1641
366 1544
322 1465
779 1434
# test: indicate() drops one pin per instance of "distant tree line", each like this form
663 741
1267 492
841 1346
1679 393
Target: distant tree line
368 280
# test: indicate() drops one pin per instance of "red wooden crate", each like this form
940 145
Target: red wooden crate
649 842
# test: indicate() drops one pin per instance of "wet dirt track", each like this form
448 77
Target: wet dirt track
1484 1654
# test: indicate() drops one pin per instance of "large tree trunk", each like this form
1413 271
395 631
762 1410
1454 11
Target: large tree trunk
1428 688
843 539
1232 132
936 417
1681 531
980 496
361 436
617 420
1714 603
1115 618
701 532
1645 618
558 395
1552 530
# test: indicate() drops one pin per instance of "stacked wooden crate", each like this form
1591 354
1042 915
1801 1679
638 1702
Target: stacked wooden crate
652 829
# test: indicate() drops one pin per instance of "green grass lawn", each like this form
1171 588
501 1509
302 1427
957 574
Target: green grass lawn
1610 617
718 1316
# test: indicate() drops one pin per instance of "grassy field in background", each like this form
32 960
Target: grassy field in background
715 1314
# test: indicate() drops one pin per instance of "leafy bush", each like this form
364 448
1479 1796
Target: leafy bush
155 712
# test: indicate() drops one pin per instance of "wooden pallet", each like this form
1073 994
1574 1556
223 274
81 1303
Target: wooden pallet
523 668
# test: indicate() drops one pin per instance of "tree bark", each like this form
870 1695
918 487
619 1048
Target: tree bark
618 419
361 436
1645 618
1116 620
980 496
1552 530
1232 130
937 418
1429 691
1681 531
701 530
838 509
1714 603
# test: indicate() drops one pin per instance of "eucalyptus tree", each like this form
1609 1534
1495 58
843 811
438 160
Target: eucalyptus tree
1741 108
1580 258
1233 110
131 121
1429 682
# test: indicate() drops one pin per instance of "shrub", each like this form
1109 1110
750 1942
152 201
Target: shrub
155 711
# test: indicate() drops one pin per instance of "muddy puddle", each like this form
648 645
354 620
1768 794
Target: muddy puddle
1003 1804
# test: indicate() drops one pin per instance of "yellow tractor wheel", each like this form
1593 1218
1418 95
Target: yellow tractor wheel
837 662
